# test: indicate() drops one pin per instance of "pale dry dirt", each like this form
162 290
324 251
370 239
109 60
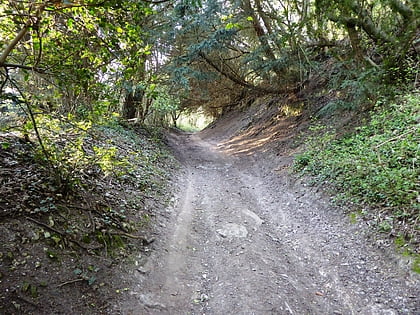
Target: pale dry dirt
241 237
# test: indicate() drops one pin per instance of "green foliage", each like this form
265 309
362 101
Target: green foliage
164 103
72 151
78 57
355 88
102 161
416 264
106 159
378 164
404 247
80 52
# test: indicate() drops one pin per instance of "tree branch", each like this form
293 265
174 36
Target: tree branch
401 8
14 42
364 22
227 75
156 1
20 35
12 65
236 80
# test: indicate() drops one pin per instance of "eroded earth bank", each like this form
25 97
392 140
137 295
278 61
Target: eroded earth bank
240 237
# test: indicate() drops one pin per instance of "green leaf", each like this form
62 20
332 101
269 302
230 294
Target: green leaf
25 286
56 239
91 280
70 23
34 291
231 25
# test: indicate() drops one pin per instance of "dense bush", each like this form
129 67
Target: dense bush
378 164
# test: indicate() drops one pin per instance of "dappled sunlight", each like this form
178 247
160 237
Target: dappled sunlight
246 146
292 111
259 138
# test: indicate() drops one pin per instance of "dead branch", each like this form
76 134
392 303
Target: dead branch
62 234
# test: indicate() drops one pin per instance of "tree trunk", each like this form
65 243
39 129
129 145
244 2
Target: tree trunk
266 20
144 109
355 43
129 107
261 35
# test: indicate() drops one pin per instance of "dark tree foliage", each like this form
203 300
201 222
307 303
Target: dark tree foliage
92 58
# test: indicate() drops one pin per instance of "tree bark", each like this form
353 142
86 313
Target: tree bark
355 43
261 35
365 21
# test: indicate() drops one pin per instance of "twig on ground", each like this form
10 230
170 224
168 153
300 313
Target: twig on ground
399 136
137 237
62 234
70 282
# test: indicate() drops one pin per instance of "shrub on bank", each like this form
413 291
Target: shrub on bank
378 164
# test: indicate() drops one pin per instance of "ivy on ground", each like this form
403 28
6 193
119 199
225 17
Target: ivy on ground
377 165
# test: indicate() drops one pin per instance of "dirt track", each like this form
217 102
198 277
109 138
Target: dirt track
240 239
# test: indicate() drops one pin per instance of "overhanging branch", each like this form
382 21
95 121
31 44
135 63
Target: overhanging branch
12 65
237 80
20 35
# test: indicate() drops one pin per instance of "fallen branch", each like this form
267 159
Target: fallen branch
137 237
70 282
398 137
45 225
62 234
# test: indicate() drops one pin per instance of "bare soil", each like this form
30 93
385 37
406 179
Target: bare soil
242 236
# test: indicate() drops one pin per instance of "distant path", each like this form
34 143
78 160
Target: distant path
241 241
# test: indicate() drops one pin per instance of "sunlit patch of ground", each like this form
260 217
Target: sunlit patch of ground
257 137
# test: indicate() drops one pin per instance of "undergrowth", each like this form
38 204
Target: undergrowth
106 170
377 165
